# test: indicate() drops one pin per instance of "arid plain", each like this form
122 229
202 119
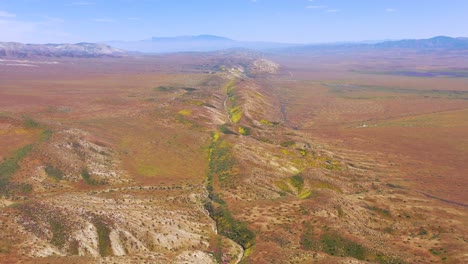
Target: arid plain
235 157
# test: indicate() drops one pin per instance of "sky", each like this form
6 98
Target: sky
286 21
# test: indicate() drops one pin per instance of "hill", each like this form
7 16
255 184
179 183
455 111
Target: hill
438 43
79 50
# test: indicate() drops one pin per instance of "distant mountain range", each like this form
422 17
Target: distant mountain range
432 44
213 43
79 50
201 43
440 42
207 43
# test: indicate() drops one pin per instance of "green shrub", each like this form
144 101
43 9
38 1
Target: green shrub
336 245
288 143
380 211
233 229
30 123
225 130
297 181
244 130
23 188
235 113
221 160
88 179
59 235
53 172
307 238
104 243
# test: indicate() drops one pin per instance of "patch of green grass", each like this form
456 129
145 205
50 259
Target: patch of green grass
269 123
59 235
53 172
225 130
303 152
336 245
288 143
30 123
233 229
245 131
235 113
195 102
308 242
305 194
297 181
22 188
385 259
220 165
435 252
221 160
283 186
234 110
380 211
9 166
422 232
185 112
332 165
104 243
165 88
230 90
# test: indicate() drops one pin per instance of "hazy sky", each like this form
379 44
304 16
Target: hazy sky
302 21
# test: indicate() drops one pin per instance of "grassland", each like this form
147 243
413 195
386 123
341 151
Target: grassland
161 161
220 171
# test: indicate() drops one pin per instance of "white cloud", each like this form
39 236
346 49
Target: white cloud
316 6
391 10
6 14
